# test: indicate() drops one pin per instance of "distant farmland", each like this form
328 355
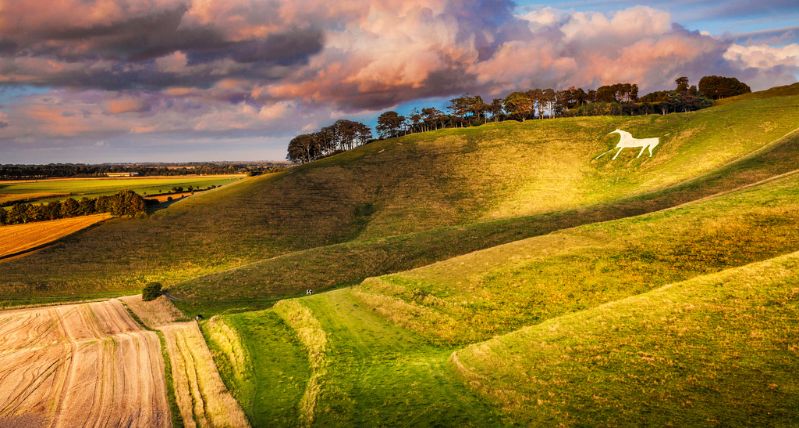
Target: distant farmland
61 188
18 238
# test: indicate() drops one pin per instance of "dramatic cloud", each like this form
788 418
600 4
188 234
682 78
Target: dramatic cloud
149 70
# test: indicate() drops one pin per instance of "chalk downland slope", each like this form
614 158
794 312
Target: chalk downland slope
80 365
494 291
415 184
394 336
719 349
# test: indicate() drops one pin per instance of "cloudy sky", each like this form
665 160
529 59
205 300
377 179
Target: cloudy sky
188 80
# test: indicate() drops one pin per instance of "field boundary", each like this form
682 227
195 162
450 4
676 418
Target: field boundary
177 418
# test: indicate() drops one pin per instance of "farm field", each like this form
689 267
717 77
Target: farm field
201 397
18 238
80 365
61 188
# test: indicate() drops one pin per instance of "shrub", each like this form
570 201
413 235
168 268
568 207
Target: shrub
151 291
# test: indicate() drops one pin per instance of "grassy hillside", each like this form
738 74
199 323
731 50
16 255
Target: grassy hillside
503 288
493 184
394 336
720 349
365 371
259 284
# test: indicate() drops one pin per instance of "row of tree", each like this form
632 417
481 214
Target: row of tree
616 99
27 172
126 202
340 136
472 110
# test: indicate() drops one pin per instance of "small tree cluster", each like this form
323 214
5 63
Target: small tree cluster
151 291
126 202
716 87
340 136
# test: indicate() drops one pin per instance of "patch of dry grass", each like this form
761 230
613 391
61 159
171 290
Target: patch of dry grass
153 313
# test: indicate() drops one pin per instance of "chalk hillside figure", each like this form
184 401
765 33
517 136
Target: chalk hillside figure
628 141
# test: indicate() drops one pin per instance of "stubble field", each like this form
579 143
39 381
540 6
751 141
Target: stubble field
80 365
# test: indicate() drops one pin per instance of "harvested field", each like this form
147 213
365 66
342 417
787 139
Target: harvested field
80 365
17 238
201 395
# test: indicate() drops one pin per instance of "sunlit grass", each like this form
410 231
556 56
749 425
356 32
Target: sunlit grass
720 349
505 287
402 203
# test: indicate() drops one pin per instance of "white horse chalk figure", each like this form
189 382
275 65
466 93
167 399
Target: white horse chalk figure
628 141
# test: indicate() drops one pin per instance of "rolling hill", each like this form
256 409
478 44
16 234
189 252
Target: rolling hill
698 301
398 204
718 349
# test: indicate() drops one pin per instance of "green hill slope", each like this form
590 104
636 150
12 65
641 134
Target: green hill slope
719 349
393 336
495 183
503 288
259 284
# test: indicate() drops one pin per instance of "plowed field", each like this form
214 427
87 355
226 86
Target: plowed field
80 365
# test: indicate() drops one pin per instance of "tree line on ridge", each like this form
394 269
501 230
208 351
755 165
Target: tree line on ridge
472 110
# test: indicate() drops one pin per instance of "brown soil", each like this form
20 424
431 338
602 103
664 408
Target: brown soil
80 365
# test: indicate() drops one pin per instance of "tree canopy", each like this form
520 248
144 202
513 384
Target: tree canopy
716 87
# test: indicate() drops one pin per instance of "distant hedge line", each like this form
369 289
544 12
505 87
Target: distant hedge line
126 202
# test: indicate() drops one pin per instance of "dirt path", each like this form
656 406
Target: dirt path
80 365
